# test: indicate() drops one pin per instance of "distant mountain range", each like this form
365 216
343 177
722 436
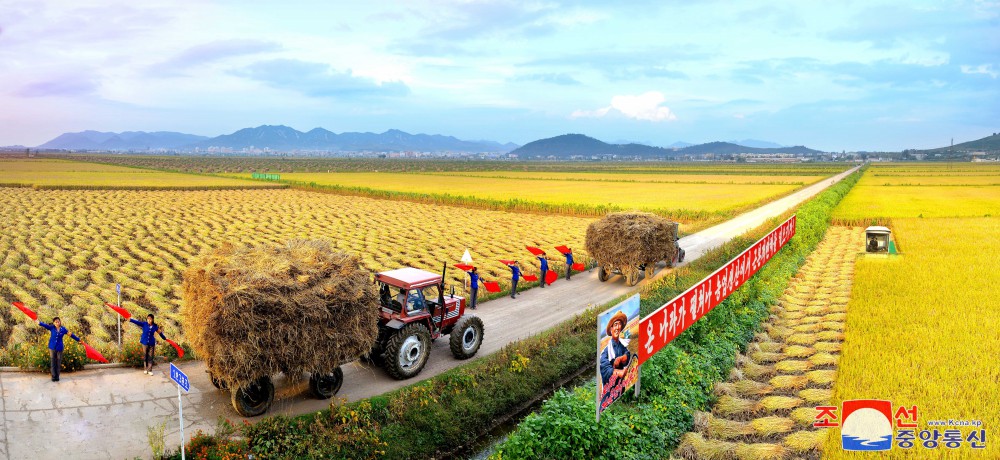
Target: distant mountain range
986 144
280 138
568 145
128 140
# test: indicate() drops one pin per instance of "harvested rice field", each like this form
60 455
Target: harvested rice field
767 407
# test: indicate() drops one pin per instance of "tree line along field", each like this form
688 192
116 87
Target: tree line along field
922 327
53 173
64 250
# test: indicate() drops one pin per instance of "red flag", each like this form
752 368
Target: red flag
507 262
529 277
464 267
121 311
551 277
27 311
491 286
180 351
562 249
534 250
579 267
94 354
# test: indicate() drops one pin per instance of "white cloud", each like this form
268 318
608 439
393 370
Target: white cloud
646 106
985 69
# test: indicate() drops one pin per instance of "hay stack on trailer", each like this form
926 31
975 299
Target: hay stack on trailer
629 243
252 312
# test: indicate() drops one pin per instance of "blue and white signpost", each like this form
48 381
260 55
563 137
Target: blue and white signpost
182 382
118 287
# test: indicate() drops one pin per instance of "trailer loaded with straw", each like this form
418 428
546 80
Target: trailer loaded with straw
630 243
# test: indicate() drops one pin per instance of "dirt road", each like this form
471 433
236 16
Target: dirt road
104 413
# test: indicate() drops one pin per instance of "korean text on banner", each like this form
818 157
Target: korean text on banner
670 320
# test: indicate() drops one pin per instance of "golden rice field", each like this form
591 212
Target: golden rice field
921 326
48 173
63 250
766 408
672 177
922 190
924 329
679 200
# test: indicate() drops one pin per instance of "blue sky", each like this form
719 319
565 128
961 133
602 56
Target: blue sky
834 75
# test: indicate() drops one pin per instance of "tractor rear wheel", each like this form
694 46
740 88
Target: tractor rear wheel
255 398
407 351
326 386
602 273
466 337
632 276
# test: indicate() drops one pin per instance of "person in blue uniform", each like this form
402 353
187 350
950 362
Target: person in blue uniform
569 263
515 274
475 281
57 332
544 267
148 341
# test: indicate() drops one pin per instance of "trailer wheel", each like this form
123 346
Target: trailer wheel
467 336
680 255
407 351
217 382
602 273
255 398
632 276
326 386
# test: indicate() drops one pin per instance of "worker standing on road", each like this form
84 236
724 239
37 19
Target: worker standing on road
515 274
569 263
56 344
474 279
148 341
544 267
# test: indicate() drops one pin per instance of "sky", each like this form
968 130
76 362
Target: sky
846 75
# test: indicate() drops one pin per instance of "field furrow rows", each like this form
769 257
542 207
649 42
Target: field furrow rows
766 409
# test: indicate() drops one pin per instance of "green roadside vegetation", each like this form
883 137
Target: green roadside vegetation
448 411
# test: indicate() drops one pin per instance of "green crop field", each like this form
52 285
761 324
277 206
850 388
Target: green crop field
49 173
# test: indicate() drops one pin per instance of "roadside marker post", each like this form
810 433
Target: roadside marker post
182 382
118 287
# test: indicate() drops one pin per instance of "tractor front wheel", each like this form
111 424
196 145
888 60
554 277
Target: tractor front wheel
407 351
255 398
466 337
602 273
325 386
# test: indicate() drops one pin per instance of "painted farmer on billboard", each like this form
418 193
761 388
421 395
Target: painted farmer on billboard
617 362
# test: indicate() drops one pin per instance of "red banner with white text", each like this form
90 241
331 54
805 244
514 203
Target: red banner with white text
670 320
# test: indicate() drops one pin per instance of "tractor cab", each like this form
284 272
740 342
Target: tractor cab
877 240
410 294
415 310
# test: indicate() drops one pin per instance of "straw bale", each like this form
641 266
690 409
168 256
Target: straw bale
631 238
255 311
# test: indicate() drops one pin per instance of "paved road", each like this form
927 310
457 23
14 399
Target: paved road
104 413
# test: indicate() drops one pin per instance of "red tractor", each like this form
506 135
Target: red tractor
415 311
